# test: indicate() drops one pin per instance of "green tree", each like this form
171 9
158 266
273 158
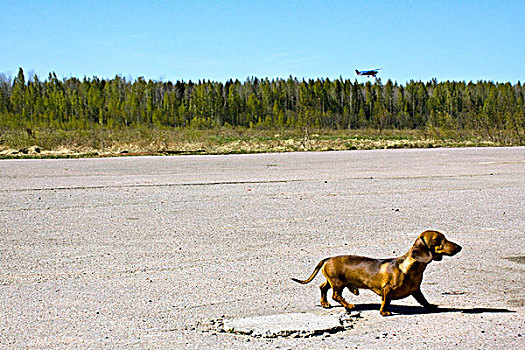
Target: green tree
18 96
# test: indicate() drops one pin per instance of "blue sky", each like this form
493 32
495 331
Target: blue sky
218 40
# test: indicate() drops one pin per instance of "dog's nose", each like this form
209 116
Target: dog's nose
458 248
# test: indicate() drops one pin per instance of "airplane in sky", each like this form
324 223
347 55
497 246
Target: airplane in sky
368 73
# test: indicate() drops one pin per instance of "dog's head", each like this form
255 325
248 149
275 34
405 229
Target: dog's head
432 245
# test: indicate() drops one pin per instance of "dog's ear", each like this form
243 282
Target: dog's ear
421 252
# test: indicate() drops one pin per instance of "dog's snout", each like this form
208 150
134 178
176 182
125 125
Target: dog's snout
457 248
450 249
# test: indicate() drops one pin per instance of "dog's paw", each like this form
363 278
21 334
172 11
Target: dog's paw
385 313
326 305
349 307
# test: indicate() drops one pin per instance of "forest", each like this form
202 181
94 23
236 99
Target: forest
493 111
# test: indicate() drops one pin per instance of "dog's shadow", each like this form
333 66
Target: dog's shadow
417 310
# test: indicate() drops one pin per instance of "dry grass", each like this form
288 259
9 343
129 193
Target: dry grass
49 143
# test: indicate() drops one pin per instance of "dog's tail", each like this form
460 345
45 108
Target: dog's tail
317 268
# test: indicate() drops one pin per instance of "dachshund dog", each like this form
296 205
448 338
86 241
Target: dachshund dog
392 279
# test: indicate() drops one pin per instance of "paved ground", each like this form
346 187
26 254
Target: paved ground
153 252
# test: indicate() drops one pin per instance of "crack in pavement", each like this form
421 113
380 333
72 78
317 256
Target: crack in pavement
214 183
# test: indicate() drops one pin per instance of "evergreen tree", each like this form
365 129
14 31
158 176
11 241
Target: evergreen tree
18 96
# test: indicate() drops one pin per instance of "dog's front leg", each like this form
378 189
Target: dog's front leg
324 289
418 295
385 300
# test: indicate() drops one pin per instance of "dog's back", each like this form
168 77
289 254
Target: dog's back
360 272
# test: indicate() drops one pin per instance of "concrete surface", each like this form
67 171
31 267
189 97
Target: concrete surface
145 252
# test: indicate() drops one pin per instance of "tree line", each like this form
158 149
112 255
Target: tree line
494 110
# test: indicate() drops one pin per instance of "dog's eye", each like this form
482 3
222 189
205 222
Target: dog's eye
438 240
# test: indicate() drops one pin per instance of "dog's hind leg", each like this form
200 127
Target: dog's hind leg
338 296
324 290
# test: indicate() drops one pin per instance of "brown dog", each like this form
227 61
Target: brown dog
392 279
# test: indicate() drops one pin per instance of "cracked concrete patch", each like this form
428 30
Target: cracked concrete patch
292 325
